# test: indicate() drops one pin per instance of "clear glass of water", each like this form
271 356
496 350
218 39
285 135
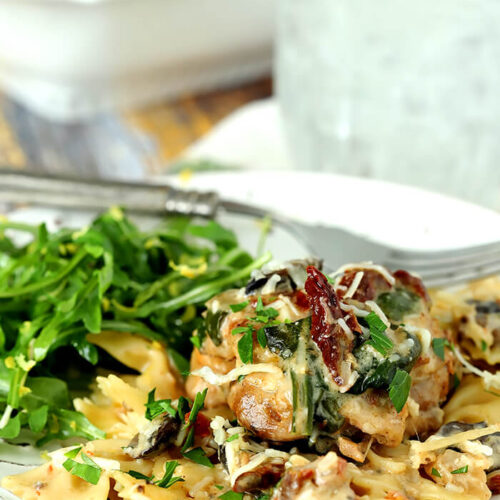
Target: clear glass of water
407 91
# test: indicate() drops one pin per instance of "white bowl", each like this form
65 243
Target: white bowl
69 59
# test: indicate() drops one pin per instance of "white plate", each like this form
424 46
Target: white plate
400 215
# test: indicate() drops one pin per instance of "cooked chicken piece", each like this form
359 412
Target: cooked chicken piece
331 376
262 405
374 414
216 395
324 479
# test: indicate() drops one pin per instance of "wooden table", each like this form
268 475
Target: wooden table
126 145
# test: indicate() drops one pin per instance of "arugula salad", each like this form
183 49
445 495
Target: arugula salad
110 275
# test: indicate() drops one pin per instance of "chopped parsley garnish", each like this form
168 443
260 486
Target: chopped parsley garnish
378 339
245 347
198 456
261 337
239 307
438 346
199 400
155 408
231 495
139 475
232 438
265 312
168 478
264 315
186 413
462 470
241 329
88 470
195 340
484 346
198 403
399 389
435 472
166 481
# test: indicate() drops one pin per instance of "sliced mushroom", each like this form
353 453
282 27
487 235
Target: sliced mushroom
491 440
154 436
286 278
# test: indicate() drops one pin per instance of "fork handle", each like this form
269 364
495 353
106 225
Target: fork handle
149 198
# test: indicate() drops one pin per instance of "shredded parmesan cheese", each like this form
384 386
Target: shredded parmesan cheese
354 285
422 334
436 443
270 286
209 376
356 310
368 265
344 326
490 379
376 309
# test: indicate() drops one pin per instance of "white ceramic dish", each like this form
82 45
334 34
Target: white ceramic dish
68 59
403 216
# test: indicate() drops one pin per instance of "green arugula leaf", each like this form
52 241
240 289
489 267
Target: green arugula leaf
168 479
215 232
38 418
399 389
12 429
70 423
86 350
110 275
245 347
461 470
239 307
198 456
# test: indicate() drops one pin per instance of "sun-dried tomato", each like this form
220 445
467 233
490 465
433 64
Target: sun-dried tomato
411 282
326 332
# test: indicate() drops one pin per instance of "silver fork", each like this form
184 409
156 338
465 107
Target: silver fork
334 245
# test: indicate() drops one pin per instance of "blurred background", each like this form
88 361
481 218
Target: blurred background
401 91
